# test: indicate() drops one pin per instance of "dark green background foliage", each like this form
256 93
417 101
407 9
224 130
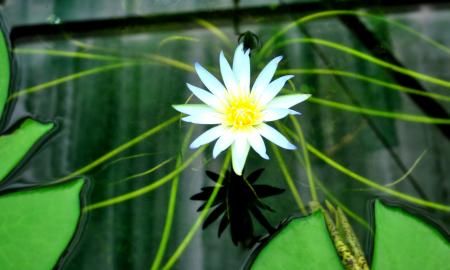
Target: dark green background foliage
97 113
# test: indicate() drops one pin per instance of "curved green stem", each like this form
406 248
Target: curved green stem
331 13
120 149
369 58
299 131
368 79
216 31
168 223
375 185
289 181
385 114
145 189
201 217
70 77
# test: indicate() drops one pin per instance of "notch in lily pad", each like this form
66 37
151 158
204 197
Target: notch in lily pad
402 241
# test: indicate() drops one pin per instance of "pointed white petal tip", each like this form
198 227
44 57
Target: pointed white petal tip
278 58
193 146
265 156
292 112
290 146
176 107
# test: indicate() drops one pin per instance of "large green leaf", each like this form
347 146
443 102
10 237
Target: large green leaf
14 146
404 241
37 225
4 71
304 243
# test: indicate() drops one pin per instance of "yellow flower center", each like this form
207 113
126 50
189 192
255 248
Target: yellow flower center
242 112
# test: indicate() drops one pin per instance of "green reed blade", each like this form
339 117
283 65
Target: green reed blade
375 185
216 31
169 220
121 148
330 13
385 114
367 57
145 189
391 86
201 217
410 170
70 54
321 186
144 173
289 181
175 38
299 131
68 78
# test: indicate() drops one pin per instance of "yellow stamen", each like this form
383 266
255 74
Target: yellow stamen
242 112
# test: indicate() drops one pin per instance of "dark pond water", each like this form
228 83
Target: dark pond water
99 112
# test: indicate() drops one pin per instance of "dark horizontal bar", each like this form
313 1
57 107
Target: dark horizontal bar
127 25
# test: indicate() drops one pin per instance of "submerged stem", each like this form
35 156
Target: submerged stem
201 217
289 181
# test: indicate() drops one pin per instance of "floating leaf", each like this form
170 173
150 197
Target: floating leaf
304 243
404 241
4 71
14 146
37 225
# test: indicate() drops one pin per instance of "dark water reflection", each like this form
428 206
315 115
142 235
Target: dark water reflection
100 112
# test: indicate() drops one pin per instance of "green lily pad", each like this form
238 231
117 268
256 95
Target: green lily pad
4 71
37 225
403 241
14 146
304 243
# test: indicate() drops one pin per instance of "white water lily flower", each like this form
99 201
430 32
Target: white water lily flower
238 112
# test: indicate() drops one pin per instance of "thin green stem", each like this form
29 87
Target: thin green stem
70 77
299 131
368 79
289 181
120 149
321 186
176 38
329 13
370 58
168 223
201 217
375 185
145 189
144 173
385 114
91 56
216 31
410 170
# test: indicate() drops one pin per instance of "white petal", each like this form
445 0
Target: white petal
244 74
205 119
274 136
277 113
227 75
206 97
239 152
237 59
192 109
223 142
257 143
287 101
265 76
273 89
210 82
208 136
